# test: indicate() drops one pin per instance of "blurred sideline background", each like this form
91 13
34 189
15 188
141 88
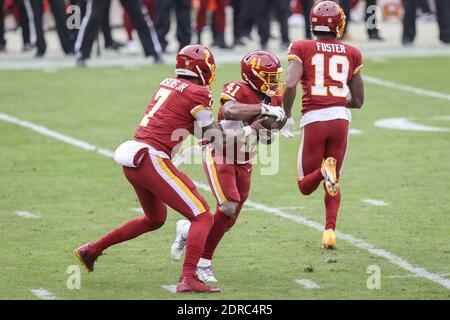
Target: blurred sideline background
390 25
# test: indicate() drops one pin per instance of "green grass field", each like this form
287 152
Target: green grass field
81 195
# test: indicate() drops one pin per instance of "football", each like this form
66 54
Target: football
270 123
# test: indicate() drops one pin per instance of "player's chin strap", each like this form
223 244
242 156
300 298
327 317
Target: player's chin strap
201 75
249 82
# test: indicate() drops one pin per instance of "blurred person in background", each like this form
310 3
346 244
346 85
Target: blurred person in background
94 17
22 20
163 9
254 12
307 5
219 21
2 28
282 8
35 9
425 7
237 8
148 9
372 21
261 10
409 20
110 43
370 17
245 20
249 13
82 4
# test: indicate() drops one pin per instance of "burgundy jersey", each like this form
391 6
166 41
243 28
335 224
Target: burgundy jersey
328 66
170 117
242 92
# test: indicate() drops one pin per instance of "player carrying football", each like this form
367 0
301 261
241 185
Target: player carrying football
178 104
329 73
229 170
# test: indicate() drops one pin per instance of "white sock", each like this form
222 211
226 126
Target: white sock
204 263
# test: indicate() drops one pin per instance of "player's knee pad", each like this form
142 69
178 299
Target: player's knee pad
228 208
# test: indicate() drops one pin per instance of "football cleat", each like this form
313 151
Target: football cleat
205 274
329 173
179 243
329 239
87 256
193 284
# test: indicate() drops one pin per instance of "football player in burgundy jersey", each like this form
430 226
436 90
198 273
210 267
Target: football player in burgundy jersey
229 171
179 104
329 72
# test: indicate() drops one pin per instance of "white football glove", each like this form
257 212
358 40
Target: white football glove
289 128
277 112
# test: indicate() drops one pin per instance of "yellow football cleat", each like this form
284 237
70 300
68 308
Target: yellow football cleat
329 239
329 173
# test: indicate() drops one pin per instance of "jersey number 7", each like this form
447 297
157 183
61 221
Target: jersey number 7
338 67
160 97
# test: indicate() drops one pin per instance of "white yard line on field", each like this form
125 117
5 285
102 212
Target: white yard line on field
361 244
247 208
414 276
399 86
43 294
406 124
55 135
27 214
172 288
355 131
308 284
446 118
352 131
374 202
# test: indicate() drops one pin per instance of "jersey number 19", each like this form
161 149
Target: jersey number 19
338 67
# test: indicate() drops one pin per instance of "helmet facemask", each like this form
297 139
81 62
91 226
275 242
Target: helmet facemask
212 79
212 69
273 82
340 30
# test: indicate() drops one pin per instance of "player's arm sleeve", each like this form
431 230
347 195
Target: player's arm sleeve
357 61
202 112
295 52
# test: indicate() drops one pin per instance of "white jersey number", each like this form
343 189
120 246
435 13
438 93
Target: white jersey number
160 97
338 67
